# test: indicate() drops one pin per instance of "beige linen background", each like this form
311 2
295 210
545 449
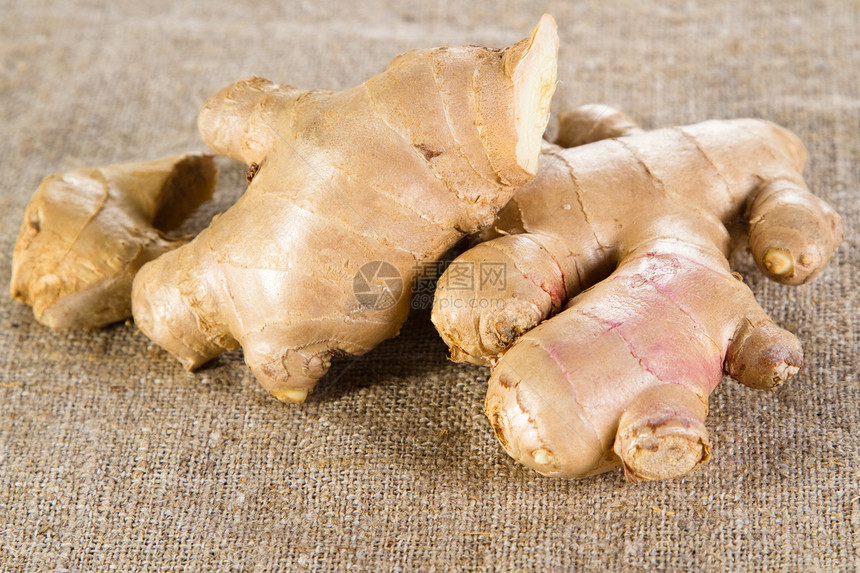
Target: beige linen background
112 458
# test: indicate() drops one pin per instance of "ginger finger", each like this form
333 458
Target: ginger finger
87 232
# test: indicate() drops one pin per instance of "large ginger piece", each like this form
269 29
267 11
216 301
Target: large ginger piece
622 375
347 188
87 232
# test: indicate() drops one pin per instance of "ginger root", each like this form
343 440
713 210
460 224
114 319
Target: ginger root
350 194
631 238
87 232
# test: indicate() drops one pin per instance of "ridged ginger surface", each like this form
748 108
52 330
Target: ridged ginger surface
368 183
624 242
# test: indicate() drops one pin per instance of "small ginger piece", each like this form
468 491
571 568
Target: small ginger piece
87 232
623 245
350 194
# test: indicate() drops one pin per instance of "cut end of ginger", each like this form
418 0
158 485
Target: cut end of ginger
665 457
779 262
534 84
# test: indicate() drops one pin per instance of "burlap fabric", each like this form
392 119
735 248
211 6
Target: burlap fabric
112 458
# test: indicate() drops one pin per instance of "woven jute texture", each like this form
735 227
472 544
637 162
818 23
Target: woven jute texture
113 458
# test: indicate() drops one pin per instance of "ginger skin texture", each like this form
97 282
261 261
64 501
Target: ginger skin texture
392 173
87 232
628 240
